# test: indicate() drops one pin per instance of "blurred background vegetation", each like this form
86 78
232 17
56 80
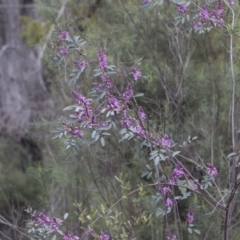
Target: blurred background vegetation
187 91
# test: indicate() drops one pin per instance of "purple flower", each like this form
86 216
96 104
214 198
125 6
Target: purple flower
56 223
171 237
69 236
63 50
81 64
169 202
128 94
46 222
89 232
141 114
106 124
166 143
80 99
113 104
85 112
198 187
106 80
104 237
136 73
178 171
138 129
63 35
166 190
145 1
197 25
176 174
42 219
211 170
102 60
126 122
190 216
204 13
182 8
77 132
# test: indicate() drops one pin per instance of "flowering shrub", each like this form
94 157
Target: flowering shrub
107 109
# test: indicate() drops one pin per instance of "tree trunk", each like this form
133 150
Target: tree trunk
23 96
22 88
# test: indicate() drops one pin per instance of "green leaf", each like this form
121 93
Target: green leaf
156 160
70 107
149 175
180 2
144 174
56 136
154 152
60 232
182 190
106 134
190 230
196 231
94 133
139 95
238 176
108 114
148 167
231 154
124 137
175 153
65 216
54 237
160 212
102 141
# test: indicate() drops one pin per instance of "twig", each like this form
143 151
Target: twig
48 37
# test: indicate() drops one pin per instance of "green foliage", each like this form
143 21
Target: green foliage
33 31
18 186
201 73
186 91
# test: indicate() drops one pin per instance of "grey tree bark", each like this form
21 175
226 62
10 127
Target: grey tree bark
23 96
22 89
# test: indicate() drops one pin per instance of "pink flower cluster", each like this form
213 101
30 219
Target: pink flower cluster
166 143
208 15
190 216
170 236
166 190
116 104
50 224
211 170
182 8
169 202
102 60
177 173
70 236
104 235
63 50
136 73
63 36
80 64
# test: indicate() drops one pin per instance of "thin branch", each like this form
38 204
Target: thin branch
48 37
